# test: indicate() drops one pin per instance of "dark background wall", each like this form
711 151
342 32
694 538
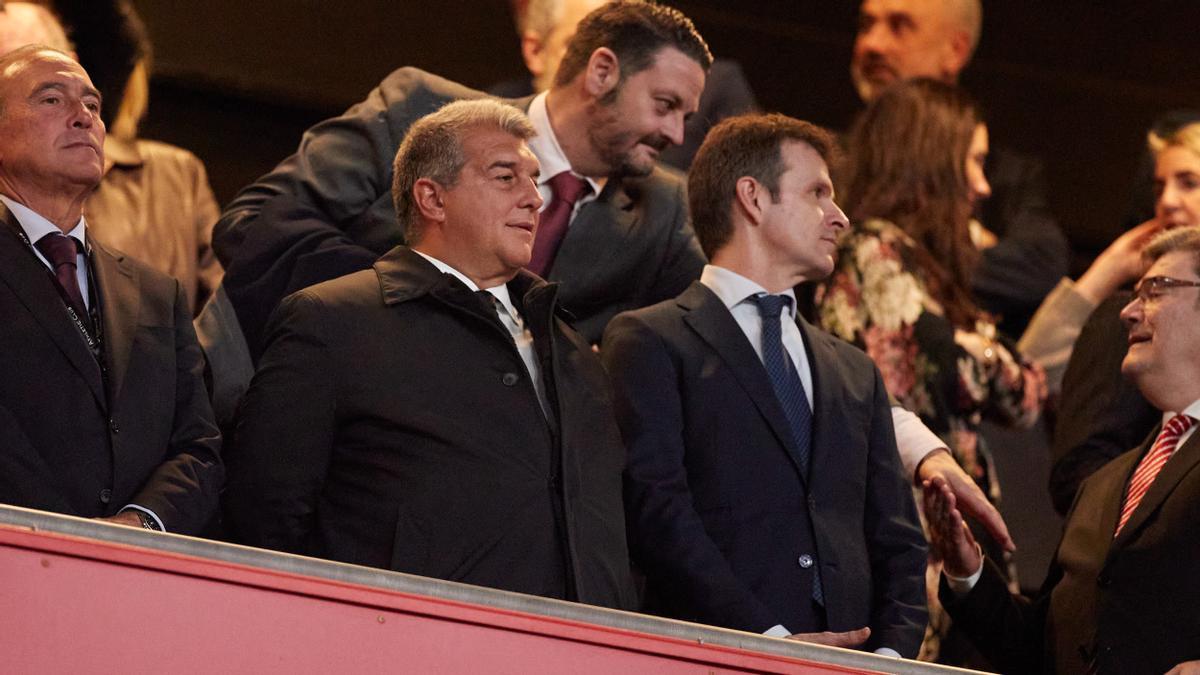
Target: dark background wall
1075 82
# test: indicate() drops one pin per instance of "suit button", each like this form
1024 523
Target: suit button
812 502
1103 581
105 496
112 424
510 379
805 561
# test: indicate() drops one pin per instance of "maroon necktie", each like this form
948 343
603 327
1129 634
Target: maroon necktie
1147 470
61 250
552 225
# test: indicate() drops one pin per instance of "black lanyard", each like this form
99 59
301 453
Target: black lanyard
91 335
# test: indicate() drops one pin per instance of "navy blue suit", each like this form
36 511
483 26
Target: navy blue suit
720 517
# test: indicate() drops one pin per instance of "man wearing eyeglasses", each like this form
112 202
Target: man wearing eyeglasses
1122 593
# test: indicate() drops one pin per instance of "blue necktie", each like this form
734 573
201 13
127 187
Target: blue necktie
790 392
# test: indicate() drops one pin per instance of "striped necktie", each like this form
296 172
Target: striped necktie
1147 470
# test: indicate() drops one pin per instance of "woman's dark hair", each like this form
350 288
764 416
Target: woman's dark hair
906 163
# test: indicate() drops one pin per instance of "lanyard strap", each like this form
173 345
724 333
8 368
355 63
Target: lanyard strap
92 336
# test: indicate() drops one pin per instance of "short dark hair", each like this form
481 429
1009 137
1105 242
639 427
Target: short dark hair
635 30
745 145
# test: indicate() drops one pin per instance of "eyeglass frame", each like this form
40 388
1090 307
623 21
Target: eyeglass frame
1150 288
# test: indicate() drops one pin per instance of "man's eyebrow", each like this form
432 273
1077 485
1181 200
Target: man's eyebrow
503 164
59 86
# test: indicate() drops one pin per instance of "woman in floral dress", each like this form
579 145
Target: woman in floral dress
901 288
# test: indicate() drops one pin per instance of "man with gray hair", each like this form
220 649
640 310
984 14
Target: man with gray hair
1025 254
435 414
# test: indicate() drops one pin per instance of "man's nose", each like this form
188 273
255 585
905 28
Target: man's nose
1131 313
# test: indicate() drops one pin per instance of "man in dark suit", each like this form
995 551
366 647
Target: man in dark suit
1025 253
1122 593
102 409
435 414
632 73
764 490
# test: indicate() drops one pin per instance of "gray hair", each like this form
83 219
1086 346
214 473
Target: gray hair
433 149
539 17
1179 239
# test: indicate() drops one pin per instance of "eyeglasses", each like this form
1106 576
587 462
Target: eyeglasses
1150 288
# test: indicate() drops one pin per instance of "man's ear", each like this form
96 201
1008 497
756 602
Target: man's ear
748 197
603 72
956 55
533 50
427 195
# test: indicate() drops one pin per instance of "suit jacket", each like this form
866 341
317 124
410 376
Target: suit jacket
1129 603
392 423
631 247
78 442
720 516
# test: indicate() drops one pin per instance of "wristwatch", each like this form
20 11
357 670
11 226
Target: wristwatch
148 523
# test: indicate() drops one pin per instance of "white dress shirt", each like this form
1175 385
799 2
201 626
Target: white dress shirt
551 157
512 321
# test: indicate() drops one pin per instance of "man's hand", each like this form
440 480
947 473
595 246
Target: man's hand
1186 668
949 536
128 518
970 499
847 640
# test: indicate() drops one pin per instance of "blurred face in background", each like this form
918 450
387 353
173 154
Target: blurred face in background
1177 186
977 183
902 39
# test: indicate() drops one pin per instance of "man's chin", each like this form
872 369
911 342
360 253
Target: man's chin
634 166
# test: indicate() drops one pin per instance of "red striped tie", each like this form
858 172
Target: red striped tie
1147 470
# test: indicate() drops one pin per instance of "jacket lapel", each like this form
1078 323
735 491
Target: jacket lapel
1185 459
827 399
120 305
711 320
599 232
32 286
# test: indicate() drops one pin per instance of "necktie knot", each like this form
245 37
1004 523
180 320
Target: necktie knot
769 306
59 249
1178 425
568 187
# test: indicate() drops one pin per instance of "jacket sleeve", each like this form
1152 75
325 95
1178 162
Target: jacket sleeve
284 436
896 546
667 536
183 490
1008 629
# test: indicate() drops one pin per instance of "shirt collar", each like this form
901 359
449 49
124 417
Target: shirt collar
36 226
500 292
1192 410
545 145
734 289
121 152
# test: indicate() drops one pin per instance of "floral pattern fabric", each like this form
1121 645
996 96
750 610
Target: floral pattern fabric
878 299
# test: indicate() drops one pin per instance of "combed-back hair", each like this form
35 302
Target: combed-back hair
745 145
433 149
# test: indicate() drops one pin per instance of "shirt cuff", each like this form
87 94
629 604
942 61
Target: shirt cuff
887 651
777 631
153 515
960 586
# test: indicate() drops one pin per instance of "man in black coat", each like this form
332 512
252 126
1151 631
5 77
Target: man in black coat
759 500
436 414
102 407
